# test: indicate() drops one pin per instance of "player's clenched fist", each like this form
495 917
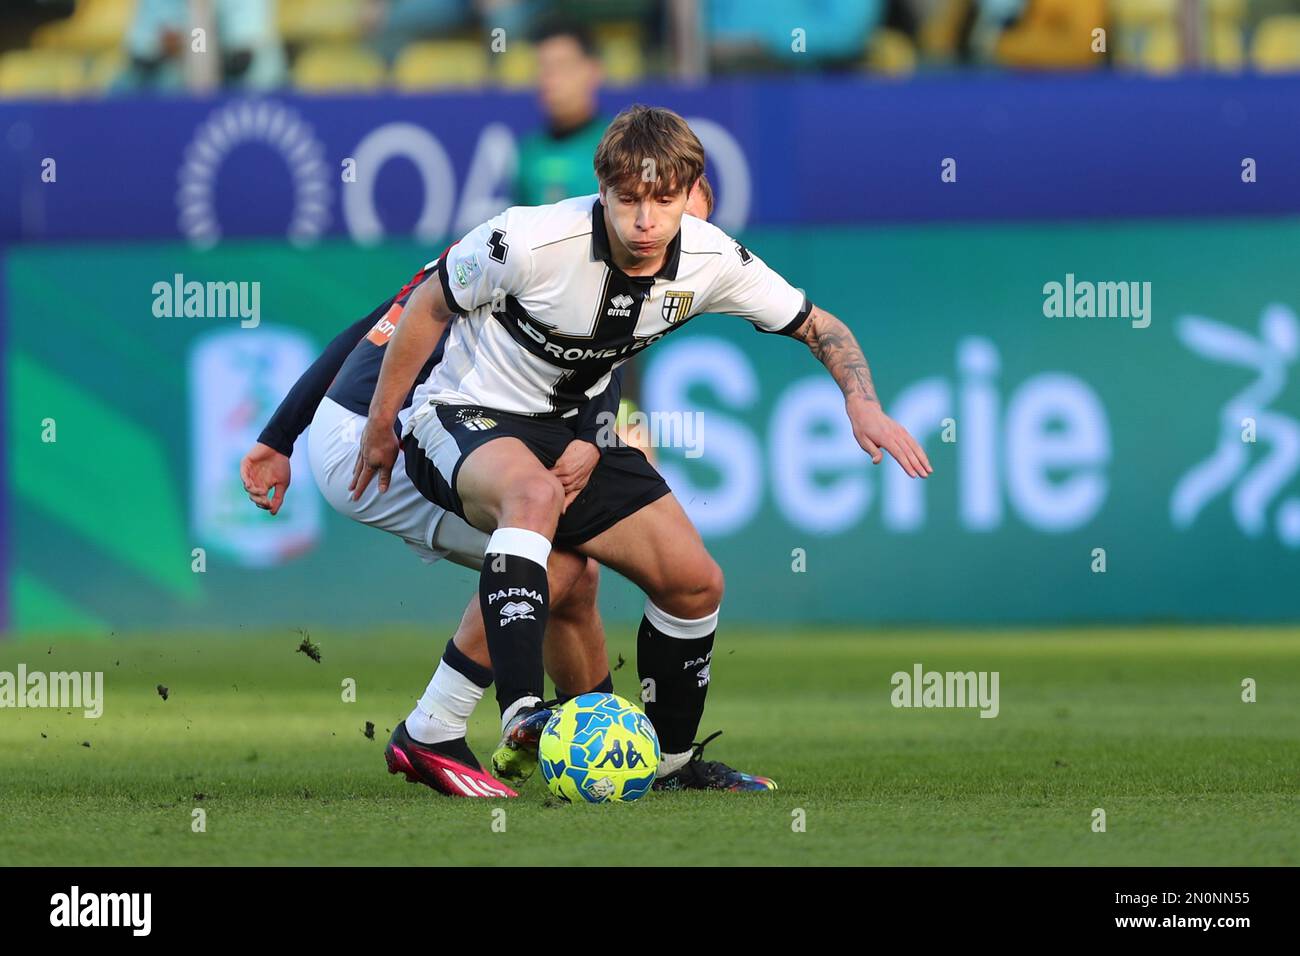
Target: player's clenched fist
261 470
378 453
875 430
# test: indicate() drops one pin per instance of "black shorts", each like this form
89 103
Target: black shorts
621 484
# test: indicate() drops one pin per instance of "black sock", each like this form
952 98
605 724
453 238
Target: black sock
672 657
606 686
513 596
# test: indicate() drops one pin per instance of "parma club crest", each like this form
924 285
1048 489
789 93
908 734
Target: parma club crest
677 306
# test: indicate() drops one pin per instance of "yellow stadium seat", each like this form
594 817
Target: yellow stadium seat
441 64
1229 10
104 68
621 46
1133 26
95 25
516 66
1276 47
942 28
1143 13
38 73
330 67
1225 47
317 21
1162 53
890 53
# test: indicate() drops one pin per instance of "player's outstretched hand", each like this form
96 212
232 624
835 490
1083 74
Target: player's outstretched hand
575 466
263 469
875 430
377 455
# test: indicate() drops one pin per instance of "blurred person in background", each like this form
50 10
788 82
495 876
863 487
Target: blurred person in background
1047 34
392 24
753 34
242 36
1022 34
555 161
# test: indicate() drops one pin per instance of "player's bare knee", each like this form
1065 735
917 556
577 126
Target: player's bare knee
533 502
695 592
712 585
719 585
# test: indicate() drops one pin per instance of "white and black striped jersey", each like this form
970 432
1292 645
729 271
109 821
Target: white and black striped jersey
545 316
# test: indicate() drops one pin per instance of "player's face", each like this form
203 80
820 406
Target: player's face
644 225
567 80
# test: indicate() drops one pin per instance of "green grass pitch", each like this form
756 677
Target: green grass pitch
1148 725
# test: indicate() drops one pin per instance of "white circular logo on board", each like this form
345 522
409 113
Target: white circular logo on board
250 121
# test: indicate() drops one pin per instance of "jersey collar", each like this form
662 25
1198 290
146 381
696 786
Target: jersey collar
600 247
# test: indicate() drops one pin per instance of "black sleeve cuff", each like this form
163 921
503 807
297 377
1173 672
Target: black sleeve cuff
277 440
793 326
445 279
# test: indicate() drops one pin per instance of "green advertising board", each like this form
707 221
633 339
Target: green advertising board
1109 409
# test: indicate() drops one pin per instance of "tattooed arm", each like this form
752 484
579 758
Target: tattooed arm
832 344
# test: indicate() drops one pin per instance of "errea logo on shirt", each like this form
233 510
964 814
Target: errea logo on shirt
620 306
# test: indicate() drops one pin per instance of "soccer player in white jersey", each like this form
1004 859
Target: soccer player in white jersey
330 398
547 301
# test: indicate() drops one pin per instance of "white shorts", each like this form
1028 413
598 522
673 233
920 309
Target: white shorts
333 440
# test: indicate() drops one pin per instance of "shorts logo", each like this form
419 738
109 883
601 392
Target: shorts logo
475 420
621 306
677 306
513 611
467 270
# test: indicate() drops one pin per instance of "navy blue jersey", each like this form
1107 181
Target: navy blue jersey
348 371
355 383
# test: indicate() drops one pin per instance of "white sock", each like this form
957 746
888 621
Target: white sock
668 763
443 712
514 709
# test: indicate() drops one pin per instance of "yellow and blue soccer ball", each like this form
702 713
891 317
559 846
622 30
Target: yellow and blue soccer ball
598 748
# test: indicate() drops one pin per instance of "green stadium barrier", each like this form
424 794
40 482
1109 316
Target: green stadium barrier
1077 442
